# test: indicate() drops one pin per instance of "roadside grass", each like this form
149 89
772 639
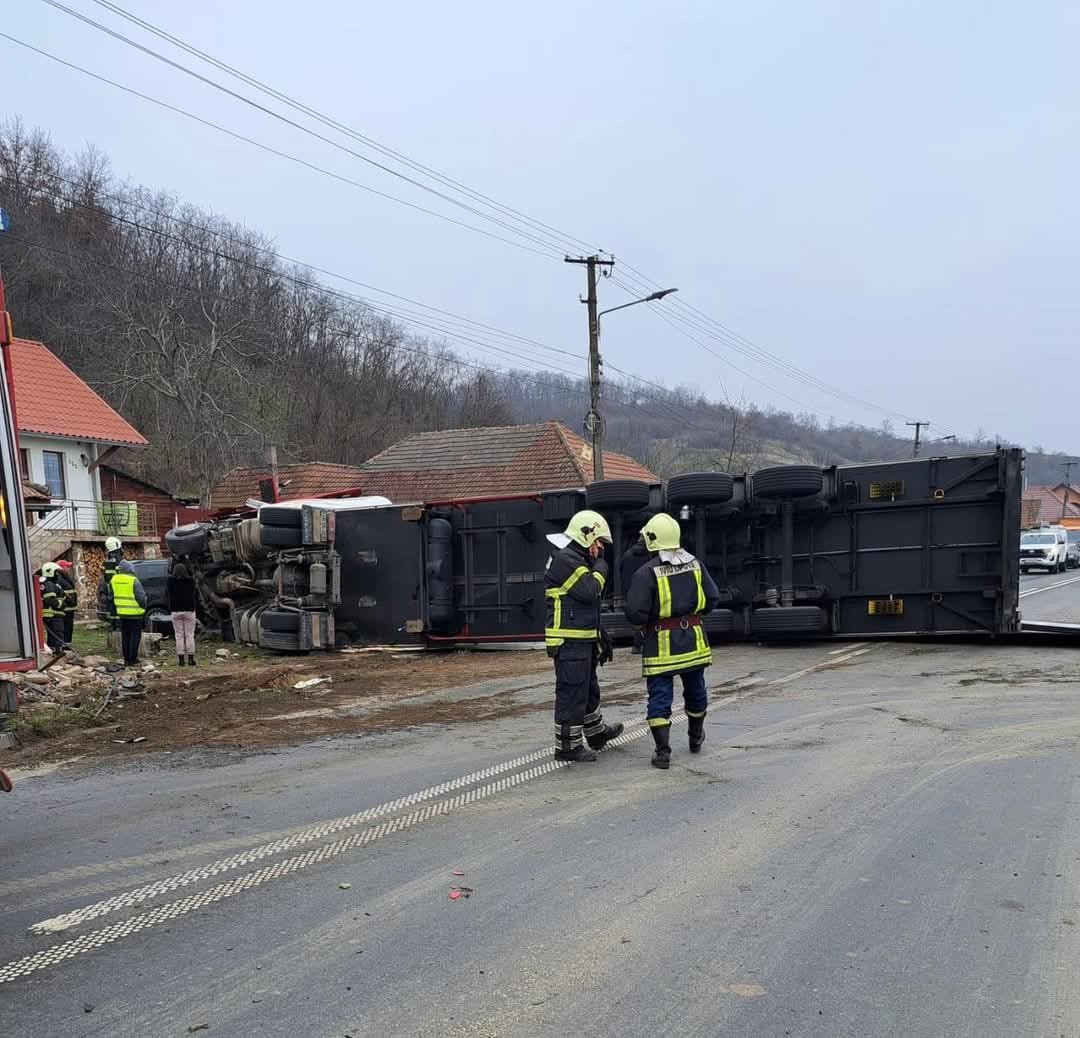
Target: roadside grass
45 721
92 640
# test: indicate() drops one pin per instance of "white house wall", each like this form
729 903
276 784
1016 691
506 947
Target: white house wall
83 485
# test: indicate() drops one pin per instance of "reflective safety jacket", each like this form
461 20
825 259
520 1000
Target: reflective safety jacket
128 596
667 600
52 598
573 586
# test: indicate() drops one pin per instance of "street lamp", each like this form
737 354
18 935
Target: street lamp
655 297
594 421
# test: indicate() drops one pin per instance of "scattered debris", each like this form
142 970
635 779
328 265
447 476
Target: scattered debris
198 1027
456 892
344 886
222 654
312 682
458 872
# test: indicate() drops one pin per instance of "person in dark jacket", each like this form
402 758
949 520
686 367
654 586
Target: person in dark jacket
114 555
66 579
180 589
667 599
573 587
127 602
633 559
52 607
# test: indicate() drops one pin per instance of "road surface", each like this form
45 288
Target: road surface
877 840
1051 596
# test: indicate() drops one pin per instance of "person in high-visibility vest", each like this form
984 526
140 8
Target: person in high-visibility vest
52 607
573 587
667 599
127 599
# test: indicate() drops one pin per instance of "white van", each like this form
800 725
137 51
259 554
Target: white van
1046 548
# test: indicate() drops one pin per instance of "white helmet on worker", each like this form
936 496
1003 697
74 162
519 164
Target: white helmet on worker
588 527
112 543
49 569
661 533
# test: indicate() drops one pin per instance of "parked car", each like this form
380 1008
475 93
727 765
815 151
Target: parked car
152 574
1046 548
1073 559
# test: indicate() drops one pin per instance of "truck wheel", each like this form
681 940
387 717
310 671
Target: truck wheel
279 641
700 488
278 515
787 481
720 621
617 493
280 621
778 620
281 536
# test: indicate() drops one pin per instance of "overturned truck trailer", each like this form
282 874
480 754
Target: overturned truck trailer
919 547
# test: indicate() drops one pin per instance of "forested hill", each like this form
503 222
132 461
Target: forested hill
216 349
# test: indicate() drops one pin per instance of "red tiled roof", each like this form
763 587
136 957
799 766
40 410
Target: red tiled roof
52 400
1044 504
458 463
304 479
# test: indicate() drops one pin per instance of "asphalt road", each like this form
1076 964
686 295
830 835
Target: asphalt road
1051 596
876 841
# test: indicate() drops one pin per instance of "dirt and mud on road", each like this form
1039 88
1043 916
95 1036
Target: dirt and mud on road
253 703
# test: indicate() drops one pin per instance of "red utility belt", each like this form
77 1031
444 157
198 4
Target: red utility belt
677 623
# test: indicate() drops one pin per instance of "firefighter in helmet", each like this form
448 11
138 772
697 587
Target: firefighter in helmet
114 555
52 607
573 587
65 577
667 599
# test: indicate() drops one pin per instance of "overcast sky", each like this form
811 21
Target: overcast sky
883 194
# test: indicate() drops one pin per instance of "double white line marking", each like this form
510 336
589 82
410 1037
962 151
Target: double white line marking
496 779
1048 587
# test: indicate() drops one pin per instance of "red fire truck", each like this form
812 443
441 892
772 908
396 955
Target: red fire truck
19 623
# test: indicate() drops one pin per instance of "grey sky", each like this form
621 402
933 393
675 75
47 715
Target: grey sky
882 193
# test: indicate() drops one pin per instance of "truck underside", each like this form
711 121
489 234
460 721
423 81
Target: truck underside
926 547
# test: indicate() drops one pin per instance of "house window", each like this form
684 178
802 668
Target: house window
24 463
54 473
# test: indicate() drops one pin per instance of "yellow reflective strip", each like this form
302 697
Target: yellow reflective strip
663 588
556 622
659 722
570 632
571 580
700 592
690 713
600 579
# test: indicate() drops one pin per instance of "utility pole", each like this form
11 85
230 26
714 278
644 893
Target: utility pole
593 420
919 426
1068 467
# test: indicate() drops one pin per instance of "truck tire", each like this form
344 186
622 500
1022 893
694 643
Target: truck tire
280 621
280 642
187 540
700 488
788 481
282 536
279 515
617 493
721 621
776 620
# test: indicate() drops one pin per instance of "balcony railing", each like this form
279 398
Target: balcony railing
102 518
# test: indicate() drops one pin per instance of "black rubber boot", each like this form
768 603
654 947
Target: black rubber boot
191 661
601 739
578 755
180 661
662 737
697 733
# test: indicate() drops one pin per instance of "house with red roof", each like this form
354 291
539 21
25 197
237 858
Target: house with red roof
514 459
66 431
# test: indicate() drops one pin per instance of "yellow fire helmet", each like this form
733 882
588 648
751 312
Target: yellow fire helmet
661 533
112 543
587 527
49 569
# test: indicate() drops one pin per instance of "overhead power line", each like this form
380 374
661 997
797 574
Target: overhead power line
506 217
